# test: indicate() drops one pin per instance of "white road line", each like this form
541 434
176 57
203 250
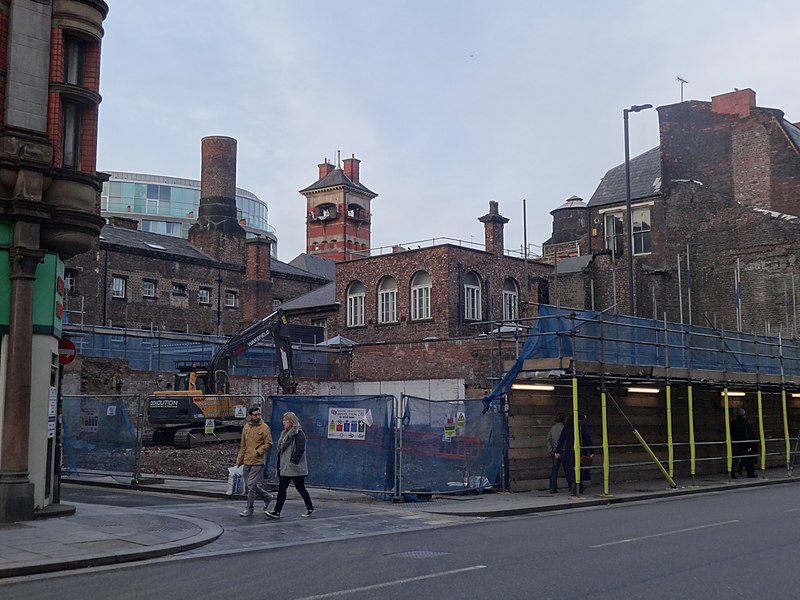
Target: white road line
792 510
378 586
655 535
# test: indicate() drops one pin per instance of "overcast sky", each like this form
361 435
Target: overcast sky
448 103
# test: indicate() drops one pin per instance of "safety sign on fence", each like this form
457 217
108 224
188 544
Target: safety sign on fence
347 423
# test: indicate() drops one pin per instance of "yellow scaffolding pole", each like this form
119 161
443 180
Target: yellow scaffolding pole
761 435
692 451
786 431
605 440
670 449
576 444
728 445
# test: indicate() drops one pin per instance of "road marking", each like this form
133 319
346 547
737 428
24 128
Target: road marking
792 510
655 535
378 586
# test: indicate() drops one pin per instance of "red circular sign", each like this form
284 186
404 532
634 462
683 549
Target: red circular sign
66 351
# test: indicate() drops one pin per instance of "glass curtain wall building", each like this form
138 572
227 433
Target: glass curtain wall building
168 205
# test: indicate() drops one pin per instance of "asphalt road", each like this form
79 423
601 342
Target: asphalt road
737 544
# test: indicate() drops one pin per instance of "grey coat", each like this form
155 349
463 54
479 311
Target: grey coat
292 453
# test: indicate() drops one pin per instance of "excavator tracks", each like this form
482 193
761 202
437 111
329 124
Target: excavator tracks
195 436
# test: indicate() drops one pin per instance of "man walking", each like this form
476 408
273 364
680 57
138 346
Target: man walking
256 440
552 442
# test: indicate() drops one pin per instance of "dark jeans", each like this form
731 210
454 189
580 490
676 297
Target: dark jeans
555 466
745 462
299 484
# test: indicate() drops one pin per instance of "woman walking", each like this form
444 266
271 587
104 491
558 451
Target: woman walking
292 465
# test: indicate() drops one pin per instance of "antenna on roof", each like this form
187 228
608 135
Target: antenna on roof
682 82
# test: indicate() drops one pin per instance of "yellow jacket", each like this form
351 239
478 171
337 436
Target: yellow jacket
256 440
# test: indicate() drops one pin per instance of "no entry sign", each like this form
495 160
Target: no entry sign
66 352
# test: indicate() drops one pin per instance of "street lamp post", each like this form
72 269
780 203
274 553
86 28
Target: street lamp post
629 216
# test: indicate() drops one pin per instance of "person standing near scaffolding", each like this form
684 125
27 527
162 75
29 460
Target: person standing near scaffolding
744 445
552 441
565 450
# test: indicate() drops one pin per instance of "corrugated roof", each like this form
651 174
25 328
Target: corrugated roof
645 180
336 178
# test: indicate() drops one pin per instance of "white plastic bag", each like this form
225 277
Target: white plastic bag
235 481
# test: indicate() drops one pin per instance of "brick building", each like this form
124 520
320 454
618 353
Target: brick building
49 211
425 313
722 193
215 282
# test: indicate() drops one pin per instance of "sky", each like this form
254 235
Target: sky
448 104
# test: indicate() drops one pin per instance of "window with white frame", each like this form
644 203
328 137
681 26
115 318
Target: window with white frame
148 289
387 300
204 296
70 280
641 230
231 299
472 297
510 300
421 285
178 289
118 286
323 323
615 232
355 304
276 302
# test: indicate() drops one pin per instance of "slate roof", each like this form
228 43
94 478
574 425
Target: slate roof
572 202
793 132
336 178
645 180
135 239
319 265
320 297
277 266
573 264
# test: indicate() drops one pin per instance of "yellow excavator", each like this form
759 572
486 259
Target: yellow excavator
202 391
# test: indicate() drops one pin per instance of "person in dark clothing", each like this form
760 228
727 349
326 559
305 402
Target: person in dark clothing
552 441
743 446
565 450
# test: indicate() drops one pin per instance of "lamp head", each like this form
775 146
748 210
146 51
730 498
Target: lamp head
639 107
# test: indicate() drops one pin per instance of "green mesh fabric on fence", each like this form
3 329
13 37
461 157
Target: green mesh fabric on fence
350 439
450 446
98 435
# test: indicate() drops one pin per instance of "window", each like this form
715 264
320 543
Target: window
178 289
615 233
276 302
323 324
73 114
387 300
70 280
230 300
204 296
510 300
355 304
73 61
118 285
641 230
149 289
472 297
421 296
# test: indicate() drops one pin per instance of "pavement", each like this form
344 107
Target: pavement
77 535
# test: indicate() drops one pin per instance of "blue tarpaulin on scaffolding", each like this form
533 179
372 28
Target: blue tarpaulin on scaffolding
624 340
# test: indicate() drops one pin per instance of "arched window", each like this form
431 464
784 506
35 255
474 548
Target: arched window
421 285
472 297
510 300
355 304
387 300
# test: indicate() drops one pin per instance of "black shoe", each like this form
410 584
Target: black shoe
733 475
308 513
272 514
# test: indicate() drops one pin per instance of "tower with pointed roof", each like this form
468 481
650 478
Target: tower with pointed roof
338 212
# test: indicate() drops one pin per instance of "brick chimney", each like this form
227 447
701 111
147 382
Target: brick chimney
124 223
325 169
257 288
351 168
493 224
217 230
738 102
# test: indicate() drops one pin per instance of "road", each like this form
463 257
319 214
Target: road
736 544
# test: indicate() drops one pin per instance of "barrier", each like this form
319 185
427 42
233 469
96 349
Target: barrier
98 435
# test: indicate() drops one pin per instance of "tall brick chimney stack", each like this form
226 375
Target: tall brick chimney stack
217 230
257 292
325 169
493 224
738 102
352 168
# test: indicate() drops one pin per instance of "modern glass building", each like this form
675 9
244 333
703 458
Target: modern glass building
168 205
